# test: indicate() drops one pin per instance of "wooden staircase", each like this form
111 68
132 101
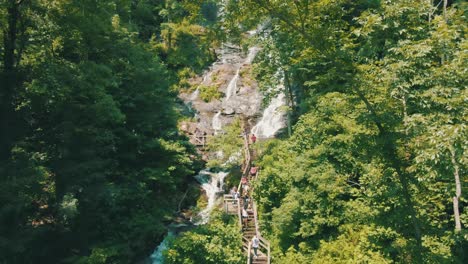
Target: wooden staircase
249 227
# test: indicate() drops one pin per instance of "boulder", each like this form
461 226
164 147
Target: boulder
228 111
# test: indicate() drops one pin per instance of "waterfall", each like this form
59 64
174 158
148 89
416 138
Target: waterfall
195 94
232 87
157 256
216 123
206 75
273 119
252 53
213 184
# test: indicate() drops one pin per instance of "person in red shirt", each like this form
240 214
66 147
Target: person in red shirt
243 180
253 171
254 138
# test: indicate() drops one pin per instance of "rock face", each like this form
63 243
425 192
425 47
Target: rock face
228 111
230 74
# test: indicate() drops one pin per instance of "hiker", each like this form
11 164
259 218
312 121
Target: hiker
233 191
244 185
237 195
245 189
246 201
245 217
254 138
255 244
253 171
243 180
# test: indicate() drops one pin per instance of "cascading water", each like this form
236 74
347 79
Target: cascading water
206 76
195 94
273 119
252 53
216 124
232 87
157 256
213 184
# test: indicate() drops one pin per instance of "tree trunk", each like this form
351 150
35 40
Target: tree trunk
9 79
9 36
445 10
456 174
430 11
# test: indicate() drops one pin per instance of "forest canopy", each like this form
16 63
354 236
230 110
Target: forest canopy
372 169
375 168
92 165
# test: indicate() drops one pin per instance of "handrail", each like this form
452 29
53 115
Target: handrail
246 160
247 156
263 243
199 140
249 252
239 214
254 207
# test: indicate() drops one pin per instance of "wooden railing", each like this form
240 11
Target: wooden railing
249 252
264 245
198 140
247 161
228 201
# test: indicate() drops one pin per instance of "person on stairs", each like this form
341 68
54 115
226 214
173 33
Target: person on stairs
245 217
236 196
253 170
246 198
255 244
233 192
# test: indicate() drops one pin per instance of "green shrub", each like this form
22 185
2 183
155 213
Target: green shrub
209 92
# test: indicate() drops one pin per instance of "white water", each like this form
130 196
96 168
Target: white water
195 94
207 75
157 256
213 184
273 119
232 87
216 123
252 53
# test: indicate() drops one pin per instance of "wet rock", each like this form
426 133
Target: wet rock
243 109
188 127
228 111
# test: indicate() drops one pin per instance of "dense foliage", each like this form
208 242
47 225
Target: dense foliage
374 170
91 162
214 243
92 165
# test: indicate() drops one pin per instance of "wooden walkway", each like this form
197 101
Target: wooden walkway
249 226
